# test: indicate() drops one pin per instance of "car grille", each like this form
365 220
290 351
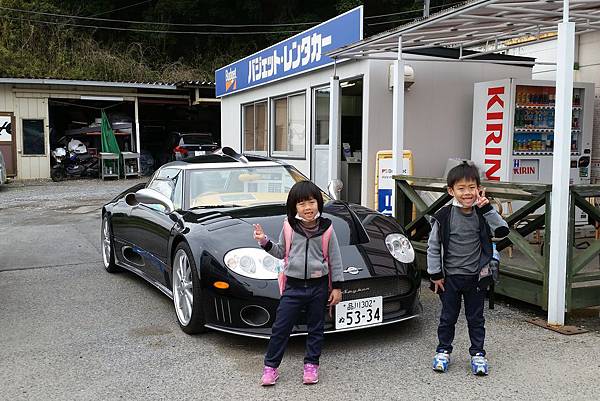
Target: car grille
385 287
222 310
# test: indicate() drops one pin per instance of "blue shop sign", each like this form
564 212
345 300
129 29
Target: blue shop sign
300 53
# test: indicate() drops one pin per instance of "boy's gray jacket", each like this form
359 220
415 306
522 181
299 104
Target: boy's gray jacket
491 225
306 259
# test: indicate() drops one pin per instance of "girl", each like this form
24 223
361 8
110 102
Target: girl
312 278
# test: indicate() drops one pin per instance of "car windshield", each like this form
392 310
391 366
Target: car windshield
242 186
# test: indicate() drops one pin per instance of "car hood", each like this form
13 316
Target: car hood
360 232
233 222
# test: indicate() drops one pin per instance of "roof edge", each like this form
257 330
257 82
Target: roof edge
66 82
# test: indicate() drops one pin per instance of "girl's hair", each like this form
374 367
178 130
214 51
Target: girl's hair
302 191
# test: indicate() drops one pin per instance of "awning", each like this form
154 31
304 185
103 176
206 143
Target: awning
491 25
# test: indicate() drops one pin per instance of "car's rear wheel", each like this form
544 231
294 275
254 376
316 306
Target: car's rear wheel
108 253
186 291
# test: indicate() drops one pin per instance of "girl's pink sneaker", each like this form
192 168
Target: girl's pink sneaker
269 376
311 373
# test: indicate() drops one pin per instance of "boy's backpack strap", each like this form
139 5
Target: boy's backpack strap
325 238
288 233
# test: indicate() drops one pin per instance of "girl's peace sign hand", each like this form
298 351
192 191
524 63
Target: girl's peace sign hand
259 233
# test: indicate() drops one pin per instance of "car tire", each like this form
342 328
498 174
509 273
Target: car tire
108 250
186 291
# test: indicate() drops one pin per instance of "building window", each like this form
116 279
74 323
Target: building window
289 127
33 137
255 127
322 116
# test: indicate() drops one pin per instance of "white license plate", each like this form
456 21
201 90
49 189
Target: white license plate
359 312
199 153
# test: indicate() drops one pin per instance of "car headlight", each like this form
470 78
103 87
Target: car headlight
400 248
253 263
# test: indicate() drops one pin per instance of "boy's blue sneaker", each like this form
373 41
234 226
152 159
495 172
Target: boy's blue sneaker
479 365
441 360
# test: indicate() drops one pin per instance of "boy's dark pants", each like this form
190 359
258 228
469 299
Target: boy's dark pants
457 287
294 298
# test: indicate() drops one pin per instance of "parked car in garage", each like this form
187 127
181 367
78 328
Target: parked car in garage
191 144
188 232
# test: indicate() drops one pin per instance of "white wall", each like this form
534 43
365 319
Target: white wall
439 110
378 133
545 52
589 60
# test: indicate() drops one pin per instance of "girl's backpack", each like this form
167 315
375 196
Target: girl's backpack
288 233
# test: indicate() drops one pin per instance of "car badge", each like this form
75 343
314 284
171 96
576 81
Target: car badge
352 270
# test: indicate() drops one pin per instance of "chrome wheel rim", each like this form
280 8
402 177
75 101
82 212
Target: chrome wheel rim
183 296
105 243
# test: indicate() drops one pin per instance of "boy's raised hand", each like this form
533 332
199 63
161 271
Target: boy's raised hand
259 233
482 200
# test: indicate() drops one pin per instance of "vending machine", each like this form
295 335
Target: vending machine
513 131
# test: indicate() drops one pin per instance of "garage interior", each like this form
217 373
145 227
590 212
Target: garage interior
158 117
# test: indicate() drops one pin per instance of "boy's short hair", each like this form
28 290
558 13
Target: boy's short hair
464 171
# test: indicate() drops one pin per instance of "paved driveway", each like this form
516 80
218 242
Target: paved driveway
70 331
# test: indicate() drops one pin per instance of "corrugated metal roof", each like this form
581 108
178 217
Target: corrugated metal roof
80 82
111 84
195 84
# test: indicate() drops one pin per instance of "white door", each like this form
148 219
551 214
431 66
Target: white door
320 137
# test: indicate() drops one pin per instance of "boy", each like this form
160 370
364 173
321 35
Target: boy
460 246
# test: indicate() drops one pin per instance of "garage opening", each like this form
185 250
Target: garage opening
80 120
162 124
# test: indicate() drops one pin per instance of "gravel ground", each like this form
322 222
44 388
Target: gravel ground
70 331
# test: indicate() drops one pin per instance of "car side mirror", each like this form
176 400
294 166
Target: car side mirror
334 188
150 197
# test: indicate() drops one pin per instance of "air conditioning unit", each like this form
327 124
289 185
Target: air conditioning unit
409 76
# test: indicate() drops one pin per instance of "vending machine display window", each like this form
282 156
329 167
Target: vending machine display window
534 120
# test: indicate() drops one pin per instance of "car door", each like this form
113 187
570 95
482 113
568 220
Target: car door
150 226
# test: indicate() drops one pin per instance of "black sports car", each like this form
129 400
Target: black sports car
188 231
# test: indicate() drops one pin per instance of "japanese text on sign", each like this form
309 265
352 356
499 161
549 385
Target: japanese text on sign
300 53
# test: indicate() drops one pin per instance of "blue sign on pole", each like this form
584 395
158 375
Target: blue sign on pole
384 201
300 53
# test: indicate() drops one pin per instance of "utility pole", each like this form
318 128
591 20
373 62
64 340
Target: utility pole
426 8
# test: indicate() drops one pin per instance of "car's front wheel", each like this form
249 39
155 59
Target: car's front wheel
108 254
186 291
